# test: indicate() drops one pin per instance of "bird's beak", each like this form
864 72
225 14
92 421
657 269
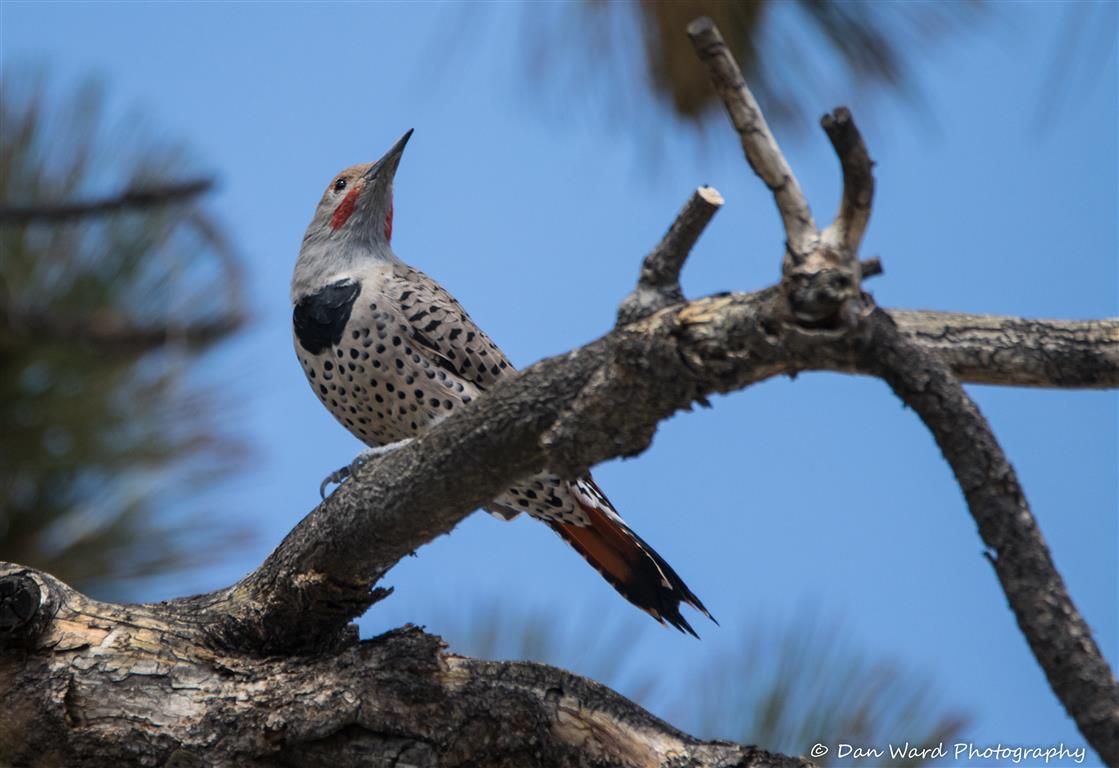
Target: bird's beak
387 164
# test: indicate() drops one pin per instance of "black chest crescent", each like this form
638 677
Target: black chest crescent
321 317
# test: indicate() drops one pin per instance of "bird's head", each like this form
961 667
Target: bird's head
353 219
357 202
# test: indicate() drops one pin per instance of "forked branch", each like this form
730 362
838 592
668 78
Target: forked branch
1059 637
814 284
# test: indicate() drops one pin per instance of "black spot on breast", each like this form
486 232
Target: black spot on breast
320 318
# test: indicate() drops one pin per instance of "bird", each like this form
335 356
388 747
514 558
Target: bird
390 353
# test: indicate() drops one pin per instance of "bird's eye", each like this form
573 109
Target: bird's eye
339 185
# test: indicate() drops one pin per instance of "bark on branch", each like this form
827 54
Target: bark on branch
758 143
1056 632
659 283
129 685
858 178
1016 351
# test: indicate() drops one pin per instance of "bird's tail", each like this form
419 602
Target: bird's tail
630 565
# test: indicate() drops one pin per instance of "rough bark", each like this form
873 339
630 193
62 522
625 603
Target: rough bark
269 671
1015 351
130 685
1056 632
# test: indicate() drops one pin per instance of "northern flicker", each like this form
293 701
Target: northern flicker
389 352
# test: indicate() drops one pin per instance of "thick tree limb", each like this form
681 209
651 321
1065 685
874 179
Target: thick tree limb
128 686
54 213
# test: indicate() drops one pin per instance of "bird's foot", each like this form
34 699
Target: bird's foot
340 475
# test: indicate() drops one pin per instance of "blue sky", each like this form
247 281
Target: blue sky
820 492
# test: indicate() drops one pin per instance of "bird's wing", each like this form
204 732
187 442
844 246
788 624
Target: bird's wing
443 333
442 329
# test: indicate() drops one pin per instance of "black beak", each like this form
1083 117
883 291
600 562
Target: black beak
391 159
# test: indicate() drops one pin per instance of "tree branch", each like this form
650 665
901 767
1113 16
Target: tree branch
1056 632
55 213
1016 351
820 283
131 687
762 152
871 267
111 332
858 179
659 283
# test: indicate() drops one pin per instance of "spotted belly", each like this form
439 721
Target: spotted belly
379 387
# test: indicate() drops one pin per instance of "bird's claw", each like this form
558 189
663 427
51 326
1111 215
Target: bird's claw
340 475
334 478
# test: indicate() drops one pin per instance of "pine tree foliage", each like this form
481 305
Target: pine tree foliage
102 317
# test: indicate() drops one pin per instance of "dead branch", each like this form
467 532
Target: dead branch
659 283
820 287
761 149
1059 637
858 179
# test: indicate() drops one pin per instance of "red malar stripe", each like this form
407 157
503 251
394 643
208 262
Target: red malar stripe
345 209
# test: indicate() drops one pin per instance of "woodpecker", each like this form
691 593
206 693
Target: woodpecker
390 352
